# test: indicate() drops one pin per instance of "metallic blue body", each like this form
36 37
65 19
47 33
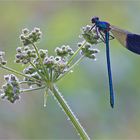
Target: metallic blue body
104 27
109 69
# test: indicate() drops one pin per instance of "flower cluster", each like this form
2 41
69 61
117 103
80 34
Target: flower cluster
28 37
52 68
64 50
24 55
35 70
2 61
11 89
88 50
56 64
90 34
41 69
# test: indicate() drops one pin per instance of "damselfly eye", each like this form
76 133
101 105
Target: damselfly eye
94 19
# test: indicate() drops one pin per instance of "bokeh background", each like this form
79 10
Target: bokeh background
86 89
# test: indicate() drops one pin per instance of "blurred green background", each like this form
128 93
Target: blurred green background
86 89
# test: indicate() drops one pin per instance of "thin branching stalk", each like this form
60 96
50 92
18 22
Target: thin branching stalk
45 97
76 63
18 73
40 59
27 82
32 89
73 56
42 76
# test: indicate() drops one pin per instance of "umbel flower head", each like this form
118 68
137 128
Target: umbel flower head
88 50
91 38
28 37
40 68
90 35
11 89
64 50
24 55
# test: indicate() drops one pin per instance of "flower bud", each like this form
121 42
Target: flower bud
25 31
19 49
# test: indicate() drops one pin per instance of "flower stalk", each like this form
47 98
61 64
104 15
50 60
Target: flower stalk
69 112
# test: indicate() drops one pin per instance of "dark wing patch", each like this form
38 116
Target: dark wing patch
133 43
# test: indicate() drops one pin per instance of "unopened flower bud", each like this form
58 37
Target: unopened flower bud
25 31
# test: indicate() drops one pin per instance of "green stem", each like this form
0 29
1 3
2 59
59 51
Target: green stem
51 75
69 113
45 97
43 77
70 60
32 89
78 61
40 59
27 82
17 72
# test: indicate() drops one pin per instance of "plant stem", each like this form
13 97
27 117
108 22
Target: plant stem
45 97
41 75
51 75
32 89
17 72
69 113
40 59
27 82
70 60
78 61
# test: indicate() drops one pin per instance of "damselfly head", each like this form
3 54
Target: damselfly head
94 19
